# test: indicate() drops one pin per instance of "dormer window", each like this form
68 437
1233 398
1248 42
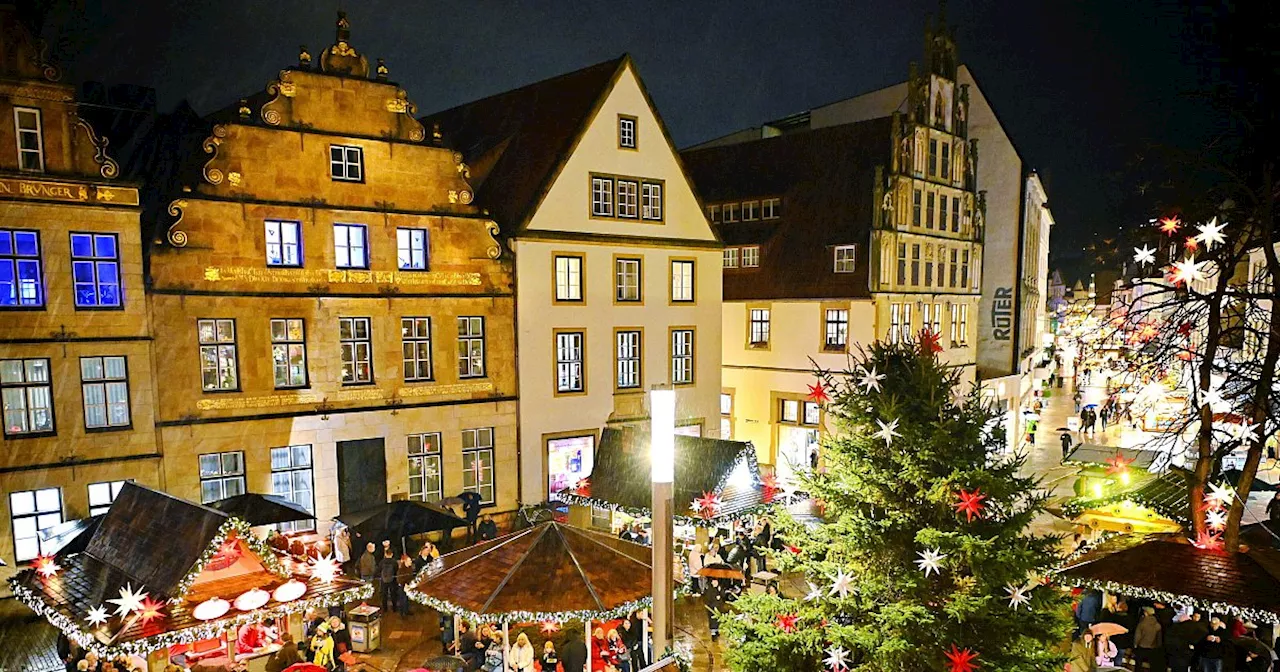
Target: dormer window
750 211
30 139
771 208
845 256
346 163
626 132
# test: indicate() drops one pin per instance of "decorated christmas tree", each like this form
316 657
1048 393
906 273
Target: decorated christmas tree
925 561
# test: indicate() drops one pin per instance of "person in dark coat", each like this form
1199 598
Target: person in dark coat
632 632
1213 648
471 510
1088 609
388 564
573 655
1180 640
285 656
469 647
713 600
1066 440
487 529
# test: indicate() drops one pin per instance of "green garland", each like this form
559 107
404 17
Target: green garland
638 512
144 646
243 532
1245 613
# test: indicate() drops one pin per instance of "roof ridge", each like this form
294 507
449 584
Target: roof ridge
618 61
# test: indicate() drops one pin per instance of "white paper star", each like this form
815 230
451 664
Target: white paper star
930 561
129 601
815 593
1187 271
837 658
871 380
1216 518
887 432
843 584
1144 255
1213 397
1211 233
1221 495
96 616
325 569
696 505
1017 595
1244 432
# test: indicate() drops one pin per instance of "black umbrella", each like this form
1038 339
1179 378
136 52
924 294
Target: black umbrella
258 509
399 519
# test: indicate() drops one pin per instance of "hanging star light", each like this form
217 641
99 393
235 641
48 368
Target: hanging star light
818 393
1144 255
709 504
1213 397
930 561
96 616
930 342
1017 596
1244 432
1119 464
843 585
970 503
1216 519
46 565
787 622
815 593
1207 541
1220 495
870 380
549 627
150 610
325 569
1170 225
1187 271
887 432
129 600
1211 233
837 658
1191 244
961 660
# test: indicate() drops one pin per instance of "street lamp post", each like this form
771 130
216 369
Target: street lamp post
662 451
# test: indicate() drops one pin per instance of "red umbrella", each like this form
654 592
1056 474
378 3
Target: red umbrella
305 667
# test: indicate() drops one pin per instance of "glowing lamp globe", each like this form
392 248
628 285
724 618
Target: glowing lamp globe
289 591
252 599
211 608
662 435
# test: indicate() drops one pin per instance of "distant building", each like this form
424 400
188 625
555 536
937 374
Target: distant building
839 234
616 267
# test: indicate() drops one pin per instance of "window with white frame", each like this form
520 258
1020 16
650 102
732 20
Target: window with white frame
751 256
104 386
426 480
730 256
602 196
95 270
21 280
837 329
355 334
570 377
899 322
713 213
218 365
626 132
789 410
726 416
27 391
959 323
284 243
682 278
102 495
812 413
27 122
411 249
289 352
651 201
31 511
346 163
731 211
415 337
628 358
845 256
351 246
628 199
568 277
771 208
477 463
750 211
470 347
626 280
681 356
759 328
221 475
292 479
932 318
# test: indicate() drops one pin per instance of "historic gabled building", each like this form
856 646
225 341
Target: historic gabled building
839 235
75 339
334 316
617 282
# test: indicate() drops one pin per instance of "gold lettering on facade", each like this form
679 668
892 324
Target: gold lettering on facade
309 276
366 394
443 390
62 191
229 404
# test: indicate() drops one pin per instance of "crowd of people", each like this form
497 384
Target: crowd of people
616 647
1135 634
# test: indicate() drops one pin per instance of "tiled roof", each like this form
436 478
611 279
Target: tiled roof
826 180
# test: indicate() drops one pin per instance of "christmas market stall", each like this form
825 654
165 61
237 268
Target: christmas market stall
716 483
1143 502
164 580
1170 569
539 577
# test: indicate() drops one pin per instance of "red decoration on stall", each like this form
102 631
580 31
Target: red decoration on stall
583 487
787 622
150 610
708 505
818 393
961 660
930 342
970 503
228 553
1118 464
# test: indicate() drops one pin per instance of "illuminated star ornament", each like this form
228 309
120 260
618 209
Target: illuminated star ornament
787 622
818 393
1170 225
871 380
843 585
583 486
929 342
887 432
970 503
325 569
708 505
1208 541
1017 596
930 561
548 627
1144 255
46 565
1187 271
961 660
129 600
815 593
1119 464
150 610
1211 233
96 616
1191 244
1220 495
1244 432
1216 519
837 658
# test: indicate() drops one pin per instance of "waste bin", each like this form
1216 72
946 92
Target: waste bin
365 624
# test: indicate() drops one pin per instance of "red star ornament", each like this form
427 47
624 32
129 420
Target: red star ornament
961 660
1191 244
930 342
583 487
1118 464
1208 541
150 610
548 627
818 393
769 481
708 505
45 566
1170 225
787 622
970 503
794 550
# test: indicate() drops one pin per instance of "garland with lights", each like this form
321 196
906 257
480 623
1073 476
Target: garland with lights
144 646
1244 613
712 522
1078 505
241 530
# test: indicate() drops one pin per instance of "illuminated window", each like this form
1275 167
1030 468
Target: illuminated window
104 387
221 476
292 479
284 243
470 347
218 364
730 257
102 495
355 334
21 282
845 256
837 329
426 482
289 352
95 270
411 249
628 359
570 376
31 511
751 256
568 277
415 337
759 326
350 246
681 356
682 278
477 463
27 392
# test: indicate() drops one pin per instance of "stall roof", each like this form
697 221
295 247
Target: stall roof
1166 494
1088 453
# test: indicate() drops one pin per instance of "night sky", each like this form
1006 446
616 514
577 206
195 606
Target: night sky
1082 86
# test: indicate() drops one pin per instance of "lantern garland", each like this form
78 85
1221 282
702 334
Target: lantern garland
240 530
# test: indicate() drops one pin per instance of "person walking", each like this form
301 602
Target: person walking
471 502
1066 440
520 657
1104 415
1148 642
388 565
713 601
367 566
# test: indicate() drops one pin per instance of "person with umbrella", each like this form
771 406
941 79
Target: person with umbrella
1066 440
471 510
714 601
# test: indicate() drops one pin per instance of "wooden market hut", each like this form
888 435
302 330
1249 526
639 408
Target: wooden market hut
1170 569
204 574
1150 503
